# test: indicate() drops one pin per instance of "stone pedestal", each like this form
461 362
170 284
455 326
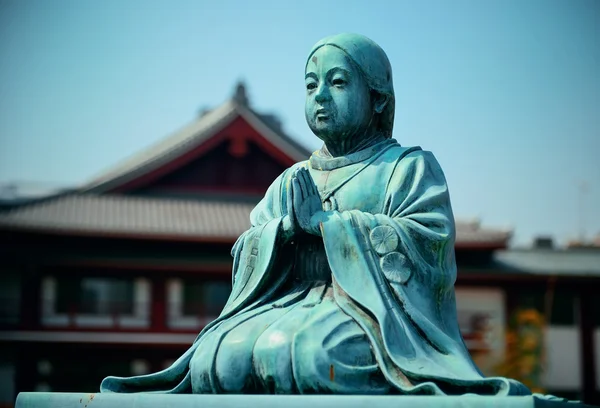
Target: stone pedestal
79 400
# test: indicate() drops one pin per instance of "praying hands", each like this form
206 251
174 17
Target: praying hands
304 205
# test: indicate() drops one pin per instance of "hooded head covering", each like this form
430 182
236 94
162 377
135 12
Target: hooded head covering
374 65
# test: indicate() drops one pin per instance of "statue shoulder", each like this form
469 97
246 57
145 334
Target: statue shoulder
411 156
396 153
413 160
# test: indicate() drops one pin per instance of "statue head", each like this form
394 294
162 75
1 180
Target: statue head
349 89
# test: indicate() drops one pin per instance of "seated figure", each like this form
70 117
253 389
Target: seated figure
344 282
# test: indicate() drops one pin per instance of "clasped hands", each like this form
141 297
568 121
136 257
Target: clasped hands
304 207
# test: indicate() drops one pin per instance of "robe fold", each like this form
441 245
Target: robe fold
389 238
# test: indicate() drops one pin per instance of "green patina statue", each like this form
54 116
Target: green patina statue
344 284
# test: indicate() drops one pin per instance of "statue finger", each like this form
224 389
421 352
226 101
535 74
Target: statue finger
311 188
289 202
313 185
303 184
296 194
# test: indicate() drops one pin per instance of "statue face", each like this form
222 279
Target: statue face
338 101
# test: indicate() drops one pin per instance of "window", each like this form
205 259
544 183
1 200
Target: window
595 312
140 367
562 303
95 296
10 297
8 373
564 307
205 298
194 303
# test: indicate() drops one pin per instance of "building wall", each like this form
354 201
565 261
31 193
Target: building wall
558 303
130 344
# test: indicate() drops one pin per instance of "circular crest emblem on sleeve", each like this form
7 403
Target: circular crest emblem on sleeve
384 239
395 267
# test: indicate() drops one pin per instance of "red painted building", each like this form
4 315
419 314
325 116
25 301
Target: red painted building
118 276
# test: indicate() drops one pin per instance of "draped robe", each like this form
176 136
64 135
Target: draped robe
389 243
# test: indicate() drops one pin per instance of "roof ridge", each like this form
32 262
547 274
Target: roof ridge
193 134
195 131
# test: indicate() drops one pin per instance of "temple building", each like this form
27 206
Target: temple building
119 275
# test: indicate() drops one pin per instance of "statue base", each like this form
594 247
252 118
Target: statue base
81 400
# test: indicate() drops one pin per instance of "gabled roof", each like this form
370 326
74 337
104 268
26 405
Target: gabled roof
193 135
162 218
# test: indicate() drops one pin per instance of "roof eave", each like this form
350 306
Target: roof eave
95 233
76 232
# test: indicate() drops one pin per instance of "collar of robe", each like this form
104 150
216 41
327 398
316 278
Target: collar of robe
319 161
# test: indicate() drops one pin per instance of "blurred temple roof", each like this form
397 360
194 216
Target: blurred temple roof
109 206
122 215
564 262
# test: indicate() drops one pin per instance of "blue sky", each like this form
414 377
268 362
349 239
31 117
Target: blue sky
505 93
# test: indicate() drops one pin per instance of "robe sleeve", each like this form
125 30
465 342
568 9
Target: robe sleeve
254 279
256 250
413 236
399 266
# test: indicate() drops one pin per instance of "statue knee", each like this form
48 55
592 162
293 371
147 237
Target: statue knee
310 358
200 371
233 365
272 362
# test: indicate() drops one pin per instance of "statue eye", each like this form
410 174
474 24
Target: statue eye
311 86
338 82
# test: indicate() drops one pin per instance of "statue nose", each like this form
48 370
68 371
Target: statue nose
322 94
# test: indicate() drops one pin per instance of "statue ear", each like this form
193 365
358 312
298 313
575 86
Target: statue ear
379 102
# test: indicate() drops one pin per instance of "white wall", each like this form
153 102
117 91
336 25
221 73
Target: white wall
563 361
491 302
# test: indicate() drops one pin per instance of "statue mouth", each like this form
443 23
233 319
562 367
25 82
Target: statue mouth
322 114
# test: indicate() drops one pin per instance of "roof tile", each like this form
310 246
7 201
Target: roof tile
121 214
